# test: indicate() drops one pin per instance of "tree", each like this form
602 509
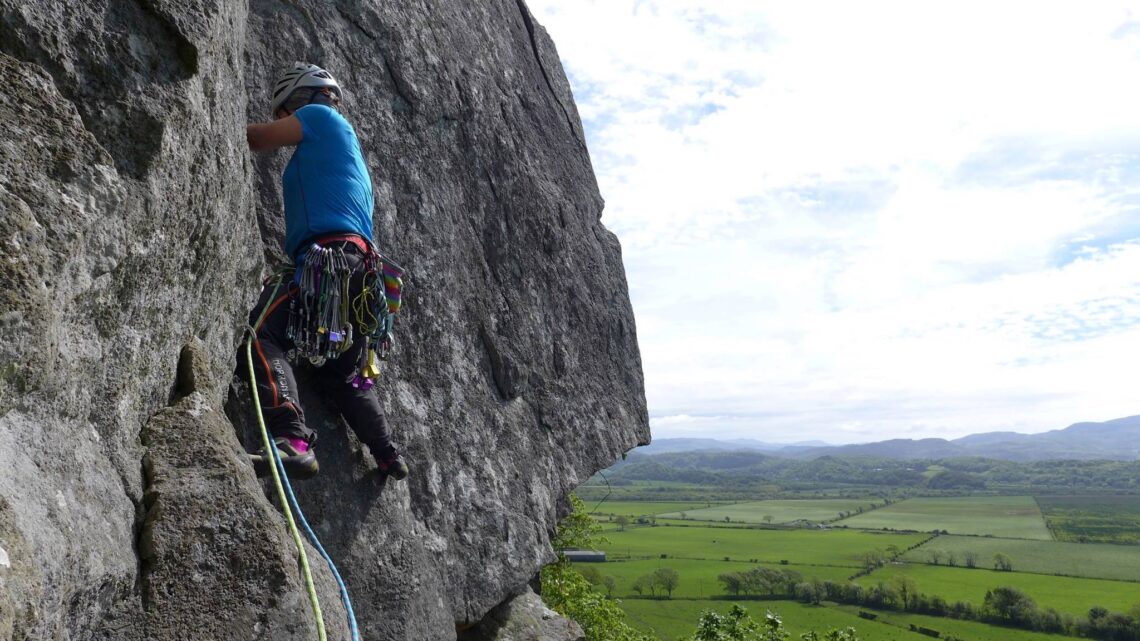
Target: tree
1010 604
906 588
643 583
951 560
1002 562
666 579
733 582
622 521
874 559
768 518
808 592
611 585
935 556
970 558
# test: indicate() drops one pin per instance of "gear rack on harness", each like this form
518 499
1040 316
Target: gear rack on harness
319 322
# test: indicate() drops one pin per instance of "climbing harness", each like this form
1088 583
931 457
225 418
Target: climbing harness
289 503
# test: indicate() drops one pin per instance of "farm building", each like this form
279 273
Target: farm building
585 556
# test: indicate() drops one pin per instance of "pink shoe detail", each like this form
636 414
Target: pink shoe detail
299 444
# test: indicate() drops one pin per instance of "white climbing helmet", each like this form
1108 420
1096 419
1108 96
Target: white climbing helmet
298 76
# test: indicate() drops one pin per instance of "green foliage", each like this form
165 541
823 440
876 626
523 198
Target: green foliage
1002 562
566 592
1009 605
577 531
746 473
570 594
738 625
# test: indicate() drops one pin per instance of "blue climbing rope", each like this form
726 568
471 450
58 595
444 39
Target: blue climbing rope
317 544
281 480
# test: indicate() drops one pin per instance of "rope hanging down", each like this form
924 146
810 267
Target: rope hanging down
289 504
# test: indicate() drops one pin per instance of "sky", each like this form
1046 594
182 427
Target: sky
851 222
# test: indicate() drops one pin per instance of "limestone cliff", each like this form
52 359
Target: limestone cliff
135 228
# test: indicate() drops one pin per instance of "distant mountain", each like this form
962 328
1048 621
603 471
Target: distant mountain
1118 439
668 445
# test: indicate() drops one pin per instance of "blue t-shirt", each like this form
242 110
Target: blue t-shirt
326 184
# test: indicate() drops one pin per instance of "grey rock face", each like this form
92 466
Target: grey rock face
135 222
523 618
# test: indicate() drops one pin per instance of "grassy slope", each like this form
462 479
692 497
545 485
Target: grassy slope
1090 560
1066 594
1008 516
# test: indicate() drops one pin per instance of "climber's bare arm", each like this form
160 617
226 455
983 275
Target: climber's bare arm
272 135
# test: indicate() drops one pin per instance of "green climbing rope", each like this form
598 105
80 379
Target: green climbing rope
313 599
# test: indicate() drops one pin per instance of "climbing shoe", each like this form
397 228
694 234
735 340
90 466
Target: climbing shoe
394 467
296 456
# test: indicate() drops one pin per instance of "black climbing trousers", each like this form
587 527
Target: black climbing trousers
277 384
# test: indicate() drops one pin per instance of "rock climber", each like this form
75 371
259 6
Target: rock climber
328 203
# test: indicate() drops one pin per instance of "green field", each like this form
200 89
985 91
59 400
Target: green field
644 508
698 579
801 547
972 630
675 619
784 511
1090 560
1101 519
1066 594
1007 516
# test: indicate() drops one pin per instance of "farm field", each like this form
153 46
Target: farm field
774 511
1005 516
1090 560
645 508
972 630
698 579
1066 576
677 618
1102 519
1066 594
799 546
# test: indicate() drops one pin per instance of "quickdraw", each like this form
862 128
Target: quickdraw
319 314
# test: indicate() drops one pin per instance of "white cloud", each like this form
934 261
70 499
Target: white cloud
852 221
